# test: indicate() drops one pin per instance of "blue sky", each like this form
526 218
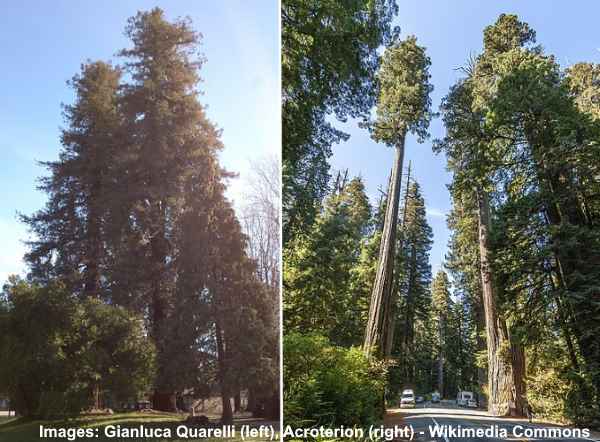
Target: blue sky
42 44
451 30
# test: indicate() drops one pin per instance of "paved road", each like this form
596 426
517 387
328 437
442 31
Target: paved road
427 418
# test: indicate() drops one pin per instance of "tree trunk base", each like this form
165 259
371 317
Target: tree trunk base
164 401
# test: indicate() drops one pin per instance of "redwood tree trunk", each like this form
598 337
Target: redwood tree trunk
273 406
504 396
481 345
379 334
237 402
96 397
518 366
164 401
251 403
227 413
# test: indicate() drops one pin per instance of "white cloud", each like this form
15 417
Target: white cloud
435 213
12 235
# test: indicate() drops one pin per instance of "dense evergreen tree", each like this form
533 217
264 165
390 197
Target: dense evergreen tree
412 282
71 230
461 350
318 269
556 176
238 301
441 305
472 159
462 262
171 143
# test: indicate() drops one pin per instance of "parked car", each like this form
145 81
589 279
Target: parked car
407 400
419 399
466 399
435 397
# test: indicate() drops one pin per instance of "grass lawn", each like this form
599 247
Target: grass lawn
20 430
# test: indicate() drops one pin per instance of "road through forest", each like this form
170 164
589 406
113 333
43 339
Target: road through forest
426 416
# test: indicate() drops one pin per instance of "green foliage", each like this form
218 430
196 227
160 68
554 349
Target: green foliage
329 385
81 191
118 356
329 62
415 238
466 347
361 283
583 81
412 278
318 269
404 103
61 404
557 392
440 294
52 368
507 33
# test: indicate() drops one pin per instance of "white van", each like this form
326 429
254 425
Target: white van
407 399
466 399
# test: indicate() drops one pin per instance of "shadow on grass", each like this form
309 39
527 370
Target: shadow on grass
27 430
14 421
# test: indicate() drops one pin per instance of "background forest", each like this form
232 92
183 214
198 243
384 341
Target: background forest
143 283
514 311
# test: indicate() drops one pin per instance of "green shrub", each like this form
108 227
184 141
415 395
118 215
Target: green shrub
558 392
328 385
582 405
56 349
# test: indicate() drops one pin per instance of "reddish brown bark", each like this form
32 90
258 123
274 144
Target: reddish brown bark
164 401
506 363
379 334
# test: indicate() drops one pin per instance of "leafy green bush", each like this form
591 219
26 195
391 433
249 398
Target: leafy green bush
56 350
329 385
557 392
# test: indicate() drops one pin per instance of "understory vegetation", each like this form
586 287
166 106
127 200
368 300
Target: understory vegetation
330 384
